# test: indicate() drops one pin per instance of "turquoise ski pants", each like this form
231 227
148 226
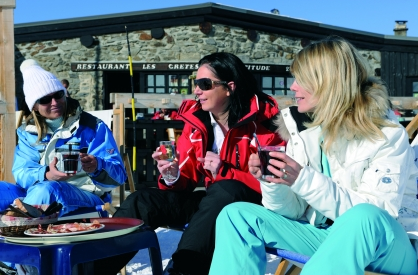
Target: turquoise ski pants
364 238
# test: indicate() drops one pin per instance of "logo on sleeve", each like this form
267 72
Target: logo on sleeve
386 180
110 151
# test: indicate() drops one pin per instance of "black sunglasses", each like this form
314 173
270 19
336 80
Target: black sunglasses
206 83
47 99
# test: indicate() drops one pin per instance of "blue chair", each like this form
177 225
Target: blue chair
288 257
85 212
297 260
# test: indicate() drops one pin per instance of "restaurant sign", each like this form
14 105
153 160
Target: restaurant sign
124 66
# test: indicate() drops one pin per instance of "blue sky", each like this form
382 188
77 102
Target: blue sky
377 16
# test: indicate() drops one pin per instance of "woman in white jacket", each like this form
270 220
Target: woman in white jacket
345 190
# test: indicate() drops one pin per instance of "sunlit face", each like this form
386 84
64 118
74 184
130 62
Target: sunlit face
303 98
214 100
52 110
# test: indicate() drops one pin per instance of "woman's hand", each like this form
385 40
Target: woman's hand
284 168
54 174
211 162
88 163
164 166
254 166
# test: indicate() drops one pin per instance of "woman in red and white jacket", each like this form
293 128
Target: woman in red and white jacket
170 114
214 149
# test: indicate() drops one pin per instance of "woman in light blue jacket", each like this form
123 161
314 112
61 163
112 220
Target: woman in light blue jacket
344 191
55 124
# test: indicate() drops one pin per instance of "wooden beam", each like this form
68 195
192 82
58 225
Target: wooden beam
405 103
8 4
167 101
412 127
3 107
7 90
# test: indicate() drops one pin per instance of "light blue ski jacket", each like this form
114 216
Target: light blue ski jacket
31 158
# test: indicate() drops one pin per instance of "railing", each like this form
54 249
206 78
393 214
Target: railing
148 135
7 90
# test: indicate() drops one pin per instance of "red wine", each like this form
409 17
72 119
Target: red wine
70 163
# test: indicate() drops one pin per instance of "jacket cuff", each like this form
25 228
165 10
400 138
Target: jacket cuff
98 169
46 171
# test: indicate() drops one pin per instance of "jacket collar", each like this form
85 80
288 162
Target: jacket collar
70 125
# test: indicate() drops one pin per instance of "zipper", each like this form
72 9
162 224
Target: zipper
237 165
204 145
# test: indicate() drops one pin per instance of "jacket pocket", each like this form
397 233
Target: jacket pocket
383 177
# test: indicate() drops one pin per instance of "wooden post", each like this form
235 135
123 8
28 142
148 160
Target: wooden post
7 90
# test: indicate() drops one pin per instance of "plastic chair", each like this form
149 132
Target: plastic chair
85 212
297 260
20 115
104 115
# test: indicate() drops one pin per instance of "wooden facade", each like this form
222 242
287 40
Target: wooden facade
398 70
7 90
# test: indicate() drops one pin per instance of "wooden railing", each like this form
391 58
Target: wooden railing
150 132
7 90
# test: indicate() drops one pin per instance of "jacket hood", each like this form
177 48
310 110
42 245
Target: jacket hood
281 128
300 119
266 110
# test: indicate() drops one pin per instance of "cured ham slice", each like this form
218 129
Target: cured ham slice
66 228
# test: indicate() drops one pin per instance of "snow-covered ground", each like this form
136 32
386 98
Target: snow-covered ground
168 239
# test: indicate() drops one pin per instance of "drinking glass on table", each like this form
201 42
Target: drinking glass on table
264 155
168 150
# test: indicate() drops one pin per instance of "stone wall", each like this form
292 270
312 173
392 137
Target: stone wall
179 44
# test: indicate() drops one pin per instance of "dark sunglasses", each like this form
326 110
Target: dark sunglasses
47 99
206 83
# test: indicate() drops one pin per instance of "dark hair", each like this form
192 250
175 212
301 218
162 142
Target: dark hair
65 81
228 67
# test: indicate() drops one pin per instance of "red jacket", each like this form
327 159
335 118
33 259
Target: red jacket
197 138
172 114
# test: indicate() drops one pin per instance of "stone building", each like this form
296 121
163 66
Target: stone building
166 44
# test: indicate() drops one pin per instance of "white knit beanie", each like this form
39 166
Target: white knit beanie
37 82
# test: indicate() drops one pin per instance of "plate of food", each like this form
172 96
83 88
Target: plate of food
112 227
65 229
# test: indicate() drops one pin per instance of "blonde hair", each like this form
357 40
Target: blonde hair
350 102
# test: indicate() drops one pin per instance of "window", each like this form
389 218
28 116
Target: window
168 83
155 84
412 86
276 85
415 88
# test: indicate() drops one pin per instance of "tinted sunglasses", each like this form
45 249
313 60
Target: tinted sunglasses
206 83
47 99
